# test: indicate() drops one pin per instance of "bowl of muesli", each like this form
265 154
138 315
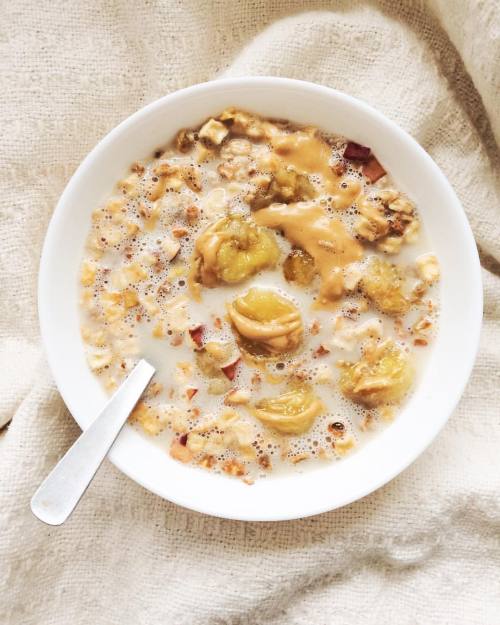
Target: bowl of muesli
299 272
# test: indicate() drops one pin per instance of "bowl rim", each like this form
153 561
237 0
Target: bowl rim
44 307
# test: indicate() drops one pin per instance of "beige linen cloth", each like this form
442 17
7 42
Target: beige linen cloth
425 548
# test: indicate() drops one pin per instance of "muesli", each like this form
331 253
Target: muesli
279 282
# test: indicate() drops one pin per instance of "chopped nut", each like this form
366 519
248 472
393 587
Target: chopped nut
213 131
150 306
215 203
191 177
159 330
130 298
372 223
339 169
180 452
420 342
428 268
88 273
233 467
191 392
352 276
347 338
323 374
152 421
192 214
217 323
237 397
315 327
165 169
299 458
423 325
367 422
265 461
256 380
170 247
242 123
176 339
154 389
179 232
218 386
184 140
207 461
137 168
343 446
321 350
99 359
129 186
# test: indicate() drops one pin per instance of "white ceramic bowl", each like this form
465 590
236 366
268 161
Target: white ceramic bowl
331 485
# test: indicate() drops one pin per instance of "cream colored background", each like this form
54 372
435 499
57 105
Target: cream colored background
424 549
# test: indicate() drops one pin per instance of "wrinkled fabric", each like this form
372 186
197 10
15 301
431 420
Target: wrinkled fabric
423 549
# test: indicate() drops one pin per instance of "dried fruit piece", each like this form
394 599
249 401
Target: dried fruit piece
383 283
265 322
373 170
383 375
356 152
292 412
299 267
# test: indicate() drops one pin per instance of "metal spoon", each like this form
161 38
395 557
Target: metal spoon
62 489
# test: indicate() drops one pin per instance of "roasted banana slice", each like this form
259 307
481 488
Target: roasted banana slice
293 412
231 250
266 323
383 375
383 284
299 267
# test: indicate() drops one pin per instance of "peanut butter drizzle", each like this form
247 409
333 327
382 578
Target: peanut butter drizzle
310 155
307 225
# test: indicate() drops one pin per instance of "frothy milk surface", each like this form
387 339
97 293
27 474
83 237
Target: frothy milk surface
140 297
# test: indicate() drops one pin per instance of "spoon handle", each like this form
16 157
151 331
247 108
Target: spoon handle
59 493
